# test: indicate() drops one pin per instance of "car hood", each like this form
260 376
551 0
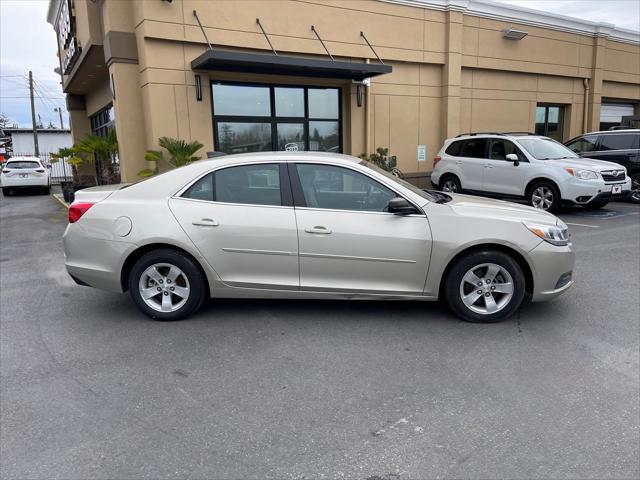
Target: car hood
586 163
467 205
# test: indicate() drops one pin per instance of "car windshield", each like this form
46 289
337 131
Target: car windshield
400 181
546 148
20 165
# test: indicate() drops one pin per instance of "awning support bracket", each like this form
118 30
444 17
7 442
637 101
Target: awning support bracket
313 29
371 47
267 37
195 14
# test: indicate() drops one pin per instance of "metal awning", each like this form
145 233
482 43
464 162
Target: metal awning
244 62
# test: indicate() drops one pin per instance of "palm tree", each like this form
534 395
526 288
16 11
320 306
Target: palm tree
101 148
181 154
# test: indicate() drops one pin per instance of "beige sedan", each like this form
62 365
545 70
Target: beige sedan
311 225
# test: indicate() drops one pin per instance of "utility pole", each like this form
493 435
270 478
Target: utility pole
33 116
59 110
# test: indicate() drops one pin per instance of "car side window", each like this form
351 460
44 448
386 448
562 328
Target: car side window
246 184
618 142
453 149
583 144
501 148
474 148
338 188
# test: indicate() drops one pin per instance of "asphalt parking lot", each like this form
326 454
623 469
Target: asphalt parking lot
290 389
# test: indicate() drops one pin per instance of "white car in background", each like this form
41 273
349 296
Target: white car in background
24 172
538 169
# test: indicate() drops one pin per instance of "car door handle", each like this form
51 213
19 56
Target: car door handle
205 222
318 229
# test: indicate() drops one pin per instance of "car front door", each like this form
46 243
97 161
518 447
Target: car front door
241 219
502 175
472 161
348 241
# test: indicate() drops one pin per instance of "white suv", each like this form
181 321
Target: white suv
24 172
536 168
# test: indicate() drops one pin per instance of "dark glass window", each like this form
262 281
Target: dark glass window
237 137
453 149
250 118
501 148
19 165
337 188
241 100
550 121
474 148
620 141
247 184
583 144
107 168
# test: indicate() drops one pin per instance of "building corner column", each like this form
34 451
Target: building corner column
595 85
452 75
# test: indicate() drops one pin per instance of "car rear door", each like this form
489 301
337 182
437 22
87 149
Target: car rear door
619 148
502 175
471 161
348 242
241 219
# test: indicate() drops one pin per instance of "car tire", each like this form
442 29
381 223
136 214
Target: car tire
634 197
544 195
167 272
470 300
46 190
6 191
595 204
450 184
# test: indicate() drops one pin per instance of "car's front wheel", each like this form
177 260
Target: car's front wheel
545 196
166 285
485 286
635 188
450 184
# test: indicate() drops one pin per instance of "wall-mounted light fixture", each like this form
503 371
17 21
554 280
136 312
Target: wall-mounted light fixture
198 88
514 34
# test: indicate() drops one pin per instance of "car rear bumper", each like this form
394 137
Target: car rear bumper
552 269
32 181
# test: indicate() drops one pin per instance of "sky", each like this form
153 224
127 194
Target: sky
28 42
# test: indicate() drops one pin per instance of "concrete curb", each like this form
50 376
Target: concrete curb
60 198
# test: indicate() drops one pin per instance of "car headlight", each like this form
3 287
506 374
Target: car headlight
582 174
554 234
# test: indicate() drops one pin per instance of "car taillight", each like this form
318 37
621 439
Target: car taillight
40 170
436 159
6 170
77 210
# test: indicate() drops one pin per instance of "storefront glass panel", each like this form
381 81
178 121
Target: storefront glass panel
550 121
289 102
324 136
291 136
244 137
323 103
241 100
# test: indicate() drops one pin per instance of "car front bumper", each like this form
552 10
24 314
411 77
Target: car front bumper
552 269
582 192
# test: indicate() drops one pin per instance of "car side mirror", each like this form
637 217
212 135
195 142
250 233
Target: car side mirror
400 206
512 157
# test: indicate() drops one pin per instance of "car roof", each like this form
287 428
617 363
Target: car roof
613 132
465 136
278 157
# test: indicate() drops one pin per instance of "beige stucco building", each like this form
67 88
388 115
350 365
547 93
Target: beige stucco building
143 66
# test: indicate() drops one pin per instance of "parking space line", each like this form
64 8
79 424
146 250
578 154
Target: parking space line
582 225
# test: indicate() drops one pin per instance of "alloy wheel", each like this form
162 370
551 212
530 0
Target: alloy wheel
486 288
164 287
542 197
450 186
635 188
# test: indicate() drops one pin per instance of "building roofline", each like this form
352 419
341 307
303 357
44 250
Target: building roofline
30 130
527 16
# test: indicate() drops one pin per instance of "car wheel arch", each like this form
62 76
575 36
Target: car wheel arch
144 249
447 175
536 180
513 253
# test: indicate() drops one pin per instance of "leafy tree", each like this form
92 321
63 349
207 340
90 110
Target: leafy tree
4 121
181 153
381 159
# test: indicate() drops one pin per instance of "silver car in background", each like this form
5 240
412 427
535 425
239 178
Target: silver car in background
311 225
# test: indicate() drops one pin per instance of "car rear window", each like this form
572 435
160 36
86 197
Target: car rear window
620 141
474 148
454 149
20 165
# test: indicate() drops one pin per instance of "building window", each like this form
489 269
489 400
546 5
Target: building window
257 117
550 121
107 168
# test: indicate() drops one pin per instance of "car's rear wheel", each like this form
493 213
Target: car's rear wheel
485 286
595 205
6 191
635 188
450 184
545 196
46 190
166 285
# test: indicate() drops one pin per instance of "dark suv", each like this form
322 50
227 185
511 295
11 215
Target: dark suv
619 146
